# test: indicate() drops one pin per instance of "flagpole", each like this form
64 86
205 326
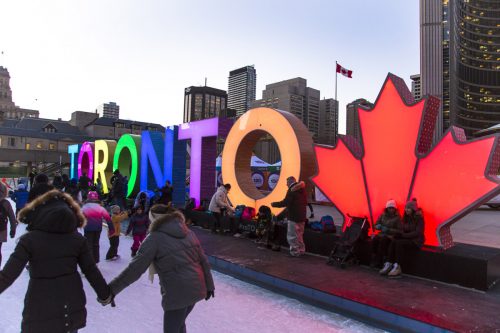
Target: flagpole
335 79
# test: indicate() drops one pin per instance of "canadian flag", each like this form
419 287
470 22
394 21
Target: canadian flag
344 71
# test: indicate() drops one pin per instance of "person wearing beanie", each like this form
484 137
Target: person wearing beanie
174 253
40 187
410 237
6 215
117 217
20 197
55 298
95 215
387 225
295 202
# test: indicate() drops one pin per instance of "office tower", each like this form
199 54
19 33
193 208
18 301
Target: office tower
416 87
241 89
352 117
203 102
109 110
295 97
328 121
459 61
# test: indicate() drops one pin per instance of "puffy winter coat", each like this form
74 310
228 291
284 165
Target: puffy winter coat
55 299
178 258
295 202
96 215
139 224
412 227
219 200
388 223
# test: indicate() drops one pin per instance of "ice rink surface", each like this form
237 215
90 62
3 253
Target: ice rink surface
237 307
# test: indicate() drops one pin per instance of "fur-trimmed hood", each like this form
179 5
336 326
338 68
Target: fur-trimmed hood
54 211
167 220
297 186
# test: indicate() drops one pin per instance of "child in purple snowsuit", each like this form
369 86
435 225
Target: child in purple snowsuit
139 224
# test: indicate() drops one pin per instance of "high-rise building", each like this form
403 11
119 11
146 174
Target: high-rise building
295 97
352 117
109 110
416 87
328 121
241 89
8 108
203 102
460 62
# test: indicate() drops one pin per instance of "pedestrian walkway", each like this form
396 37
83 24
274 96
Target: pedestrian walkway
404 305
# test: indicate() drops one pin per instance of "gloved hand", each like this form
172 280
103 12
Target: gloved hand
109 300
12 233
378 226
210 294
273 204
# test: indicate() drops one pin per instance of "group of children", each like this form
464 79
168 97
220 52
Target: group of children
96 214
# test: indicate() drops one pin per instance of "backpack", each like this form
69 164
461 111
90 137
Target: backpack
3 216
248 213
327 224
238 211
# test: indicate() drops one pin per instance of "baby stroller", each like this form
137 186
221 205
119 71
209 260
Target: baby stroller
344 250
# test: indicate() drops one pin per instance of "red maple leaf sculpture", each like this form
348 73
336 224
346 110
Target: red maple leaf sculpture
395 160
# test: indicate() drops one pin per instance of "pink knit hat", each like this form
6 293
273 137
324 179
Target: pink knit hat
92 195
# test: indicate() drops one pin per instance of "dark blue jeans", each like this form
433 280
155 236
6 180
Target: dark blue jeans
174 321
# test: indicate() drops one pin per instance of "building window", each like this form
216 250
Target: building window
136 127
52 146
28 146
119 125
39 145
12 142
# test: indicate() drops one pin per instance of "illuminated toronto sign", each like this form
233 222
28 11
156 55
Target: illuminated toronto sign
394 160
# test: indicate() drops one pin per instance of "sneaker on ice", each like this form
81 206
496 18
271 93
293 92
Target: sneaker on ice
395 271
387 267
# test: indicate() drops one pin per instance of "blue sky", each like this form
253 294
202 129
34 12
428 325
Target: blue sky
75 55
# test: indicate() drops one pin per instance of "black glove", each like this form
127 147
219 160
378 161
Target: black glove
109 300
12 233
210 294
273 204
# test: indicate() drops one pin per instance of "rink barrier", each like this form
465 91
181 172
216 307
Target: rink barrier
370 315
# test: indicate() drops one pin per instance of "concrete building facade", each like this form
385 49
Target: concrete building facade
295 97
109 110
460 62
241 89
329 121
416 87
203 102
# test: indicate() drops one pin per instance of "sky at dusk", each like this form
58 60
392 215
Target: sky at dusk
65 56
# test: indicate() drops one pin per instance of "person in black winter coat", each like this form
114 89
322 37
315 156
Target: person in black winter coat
409 238
40 186
55 299
295 202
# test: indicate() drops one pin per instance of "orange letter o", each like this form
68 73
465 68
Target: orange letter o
296 149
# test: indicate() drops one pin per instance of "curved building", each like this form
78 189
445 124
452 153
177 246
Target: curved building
475 64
